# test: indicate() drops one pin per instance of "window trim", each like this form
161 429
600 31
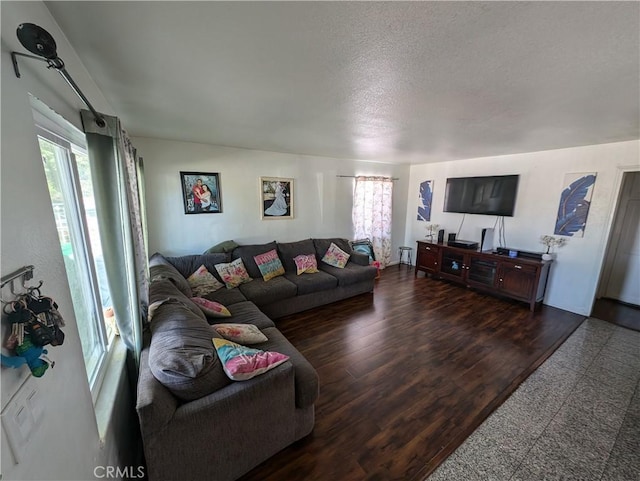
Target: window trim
52 127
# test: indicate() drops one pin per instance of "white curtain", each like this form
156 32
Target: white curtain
117 188
372 206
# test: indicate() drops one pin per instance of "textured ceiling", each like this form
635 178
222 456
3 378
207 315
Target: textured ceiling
406 82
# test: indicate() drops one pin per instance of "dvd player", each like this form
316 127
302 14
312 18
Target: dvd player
504 251
463 244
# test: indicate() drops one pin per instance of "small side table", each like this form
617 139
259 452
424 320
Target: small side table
401 251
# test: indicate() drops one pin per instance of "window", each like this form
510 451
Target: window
66 166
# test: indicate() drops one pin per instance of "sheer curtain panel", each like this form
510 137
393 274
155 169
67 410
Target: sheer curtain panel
119 205
372 208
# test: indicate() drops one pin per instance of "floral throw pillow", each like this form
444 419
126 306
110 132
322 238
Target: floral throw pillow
306 263
233 274
240 333
202 282
335 256
269 265
241 363
211 308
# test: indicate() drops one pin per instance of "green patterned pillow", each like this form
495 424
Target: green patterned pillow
269 265
202 282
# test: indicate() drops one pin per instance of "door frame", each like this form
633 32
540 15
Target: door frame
606 260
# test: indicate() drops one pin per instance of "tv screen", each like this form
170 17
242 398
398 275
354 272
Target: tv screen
494 195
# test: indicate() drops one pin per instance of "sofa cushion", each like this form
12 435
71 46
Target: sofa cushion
305 377
181 354
202 282
241 363
289 250
306 263
350 274
161 268
310 283
261 292
187 265
335 256
247 312
240 333
162 290
248 252
233 274
226 297
269 265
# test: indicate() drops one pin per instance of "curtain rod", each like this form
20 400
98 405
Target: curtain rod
40 42
356 176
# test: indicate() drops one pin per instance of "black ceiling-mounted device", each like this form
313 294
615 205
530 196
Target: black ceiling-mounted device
40 42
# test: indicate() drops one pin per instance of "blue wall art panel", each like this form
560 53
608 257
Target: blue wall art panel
574 204
425 197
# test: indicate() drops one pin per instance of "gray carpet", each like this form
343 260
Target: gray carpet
577 417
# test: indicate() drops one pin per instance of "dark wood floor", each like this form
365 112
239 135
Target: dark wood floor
407 374
624 315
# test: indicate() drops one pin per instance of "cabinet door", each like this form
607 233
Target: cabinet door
517 280
482 271
453 265
428 258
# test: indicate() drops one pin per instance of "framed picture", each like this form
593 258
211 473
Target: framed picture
276 198
201 193
575 200
425 197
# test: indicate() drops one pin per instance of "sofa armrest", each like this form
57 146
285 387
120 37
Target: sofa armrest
233 429
155 405
359 258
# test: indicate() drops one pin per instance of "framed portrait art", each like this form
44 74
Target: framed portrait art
201 193
276 198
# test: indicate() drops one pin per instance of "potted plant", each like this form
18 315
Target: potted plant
432 230
551 242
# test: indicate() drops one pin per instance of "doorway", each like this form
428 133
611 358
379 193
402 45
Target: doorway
618 297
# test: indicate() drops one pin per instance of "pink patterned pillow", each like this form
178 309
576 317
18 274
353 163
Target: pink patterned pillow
240 333
233 274
241 363
211 308
306 263
336 257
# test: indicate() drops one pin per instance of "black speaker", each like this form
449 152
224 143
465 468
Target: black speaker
452 237
440 236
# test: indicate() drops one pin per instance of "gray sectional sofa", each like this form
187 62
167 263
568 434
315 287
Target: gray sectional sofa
198 424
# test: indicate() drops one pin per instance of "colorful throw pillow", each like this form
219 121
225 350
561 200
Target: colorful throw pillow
211 308
233 274
202 282
241 333
306 263
335 256
241 363
269 265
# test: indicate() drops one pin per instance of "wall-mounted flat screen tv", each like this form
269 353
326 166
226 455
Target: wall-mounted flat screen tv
492 195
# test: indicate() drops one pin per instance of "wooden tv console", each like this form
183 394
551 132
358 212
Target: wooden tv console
514 277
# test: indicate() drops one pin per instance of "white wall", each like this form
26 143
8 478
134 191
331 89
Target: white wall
322 201
65 443
574 274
